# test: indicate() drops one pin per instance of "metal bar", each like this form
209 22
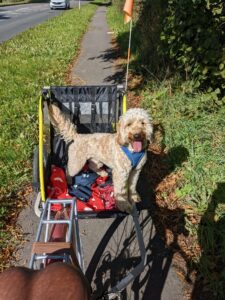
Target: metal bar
77 237
48 218
32 261
38 235
48 205
62 201
49 256
71 220
128 55
55 221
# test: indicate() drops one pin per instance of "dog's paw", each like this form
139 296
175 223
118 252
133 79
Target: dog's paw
125 206
102 173
135 197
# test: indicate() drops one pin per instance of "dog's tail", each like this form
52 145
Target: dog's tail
62 123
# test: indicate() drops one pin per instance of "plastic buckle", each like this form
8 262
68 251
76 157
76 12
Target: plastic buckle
112 296
76 110
93 107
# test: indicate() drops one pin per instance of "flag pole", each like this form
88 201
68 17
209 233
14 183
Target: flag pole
128 55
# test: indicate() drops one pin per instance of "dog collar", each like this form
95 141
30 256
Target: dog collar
134 157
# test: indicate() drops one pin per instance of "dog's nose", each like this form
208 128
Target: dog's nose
137 136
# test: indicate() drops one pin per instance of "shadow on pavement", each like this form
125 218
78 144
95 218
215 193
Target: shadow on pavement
108 3
111 55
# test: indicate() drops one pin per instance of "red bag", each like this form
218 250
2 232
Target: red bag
57 187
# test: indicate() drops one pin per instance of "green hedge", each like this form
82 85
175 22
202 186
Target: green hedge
193 38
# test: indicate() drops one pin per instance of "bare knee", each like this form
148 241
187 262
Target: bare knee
57 281
13 283
65 281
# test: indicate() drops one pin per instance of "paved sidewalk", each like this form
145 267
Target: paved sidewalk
96 62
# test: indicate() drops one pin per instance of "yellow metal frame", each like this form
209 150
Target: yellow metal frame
124 104
41 156
124 108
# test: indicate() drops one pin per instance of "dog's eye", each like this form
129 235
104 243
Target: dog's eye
142 123
128 124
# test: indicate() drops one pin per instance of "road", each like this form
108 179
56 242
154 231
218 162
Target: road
18 18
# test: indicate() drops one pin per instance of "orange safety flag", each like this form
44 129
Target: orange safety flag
128 10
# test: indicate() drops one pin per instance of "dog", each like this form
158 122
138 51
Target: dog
115 150
56 281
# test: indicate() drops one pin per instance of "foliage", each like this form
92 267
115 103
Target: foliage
194 38
188 123
148 28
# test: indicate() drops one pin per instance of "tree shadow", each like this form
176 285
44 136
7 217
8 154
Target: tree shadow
118 252
110 56
108 3
211 236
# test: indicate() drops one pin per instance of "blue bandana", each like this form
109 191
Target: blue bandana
134 157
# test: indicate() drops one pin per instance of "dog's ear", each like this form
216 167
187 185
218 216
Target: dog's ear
121 140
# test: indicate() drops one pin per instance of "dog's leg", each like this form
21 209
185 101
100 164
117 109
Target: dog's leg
75 165
133 179
96 166
120 181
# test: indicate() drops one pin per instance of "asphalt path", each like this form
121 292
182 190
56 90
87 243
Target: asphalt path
18 18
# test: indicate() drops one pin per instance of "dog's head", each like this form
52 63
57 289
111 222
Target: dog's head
135 129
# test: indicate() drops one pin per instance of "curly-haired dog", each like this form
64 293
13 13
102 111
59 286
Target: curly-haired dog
124 152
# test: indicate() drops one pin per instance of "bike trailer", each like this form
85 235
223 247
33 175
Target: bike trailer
92 109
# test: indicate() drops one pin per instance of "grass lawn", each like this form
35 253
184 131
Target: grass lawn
36 58
192 141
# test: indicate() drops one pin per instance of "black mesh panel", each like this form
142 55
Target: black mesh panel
77 102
